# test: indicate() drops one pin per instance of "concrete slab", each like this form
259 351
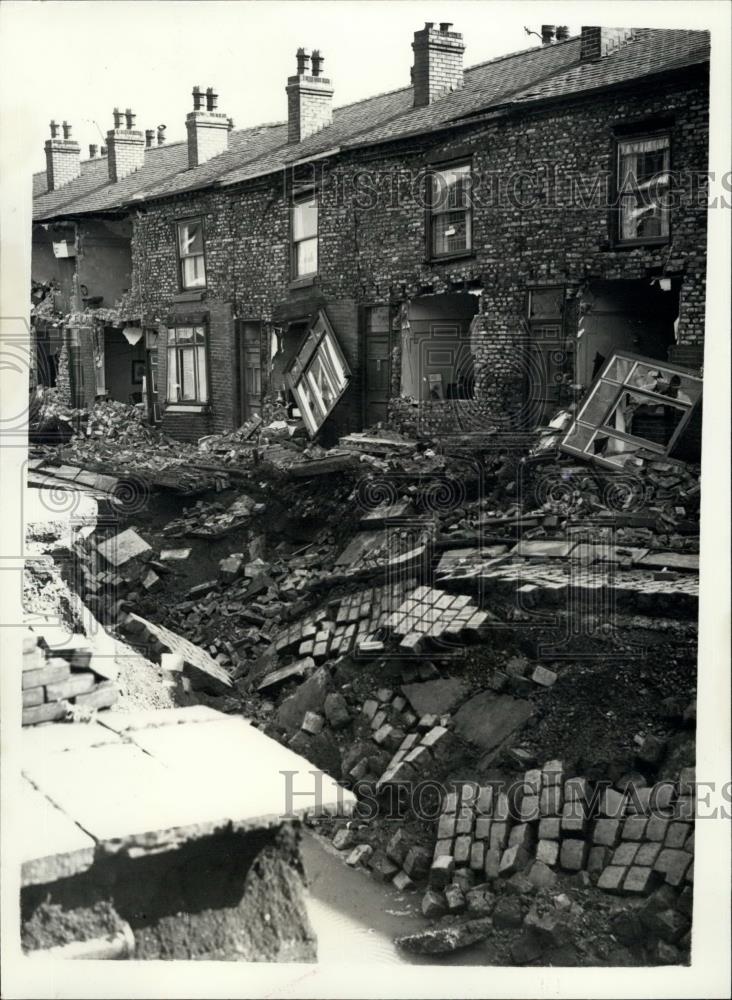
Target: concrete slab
121 548
488 719
168 784
205 673
670 560
52 846
52 738
359 546
126 722
436 697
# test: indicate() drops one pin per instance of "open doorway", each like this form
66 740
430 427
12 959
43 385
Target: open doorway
437 361
637 317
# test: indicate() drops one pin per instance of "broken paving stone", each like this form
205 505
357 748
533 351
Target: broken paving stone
336 711
541 876
547 852
436 697
487 719
448 938
397 847
359 855
640 881
441 871
312 723
344 839
513 859
598 859
507 913
606 832
544 677
434 904
611 879
549 828
454 898
417 862
402 882
124 547
383 869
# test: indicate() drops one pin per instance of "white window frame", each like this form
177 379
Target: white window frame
199 259
176 352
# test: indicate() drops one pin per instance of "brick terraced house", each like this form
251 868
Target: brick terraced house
463 252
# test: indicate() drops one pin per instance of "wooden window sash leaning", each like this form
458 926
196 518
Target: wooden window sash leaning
449 213
630 386
643 183
187 366
318 375
191 254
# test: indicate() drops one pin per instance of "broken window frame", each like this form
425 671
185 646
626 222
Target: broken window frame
634 196
300 198
175 356
319 348
620 386
435 172
184 256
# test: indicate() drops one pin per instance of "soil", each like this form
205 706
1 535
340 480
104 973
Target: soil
51 924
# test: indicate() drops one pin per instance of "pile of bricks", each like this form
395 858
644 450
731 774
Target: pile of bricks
54 680
115 569
213 520
628 841
435 615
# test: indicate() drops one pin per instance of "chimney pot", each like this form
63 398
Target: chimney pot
102 150
303 62
197 98
129 119
54 129
117 115
149 137
92 150
230 122
161 134
438 63
66 130
317 61
562 33
309 97
547 34
212 99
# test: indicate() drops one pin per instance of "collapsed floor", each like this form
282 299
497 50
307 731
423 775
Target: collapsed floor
402 614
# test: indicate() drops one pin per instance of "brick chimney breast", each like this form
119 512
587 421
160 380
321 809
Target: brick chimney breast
125 147
595 43
438 62
309 97
63 157
208 129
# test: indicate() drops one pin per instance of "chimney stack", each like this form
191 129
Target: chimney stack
562 33
126 146
547 34
63 158
208 129
438 62
309 97
595 43
149 138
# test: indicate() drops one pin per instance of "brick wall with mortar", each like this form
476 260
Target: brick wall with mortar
372 229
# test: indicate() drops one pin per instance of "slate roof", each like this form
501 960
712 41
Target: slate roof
537 74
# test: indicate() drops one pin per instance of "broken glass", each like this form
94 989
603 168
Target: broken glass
319 374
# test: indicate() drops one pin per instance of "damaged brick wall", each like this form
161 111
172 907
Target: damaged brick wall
529 228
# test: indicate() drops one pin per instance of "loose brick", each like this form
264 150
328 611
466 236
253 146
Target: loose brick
606 832
499 835
513 859
612 803
102 696
573 854
49 712
462 850
639 881
574 818
477 856
550 802
598 859
522 835
657 828
673 864
529 809
483 828
647 854
54 671
32 696
446 827
625 854
634 828
676 835
417 863
441 871
464 823
492 863
443 848
577 789
549 828
484 804
612 878
547 851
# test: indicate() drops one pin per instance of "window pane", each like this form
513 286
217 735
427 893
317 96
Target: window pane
186 365
202 374
172 394
306 260
184 335
199 334
682 388
643 181
190 238
450 233
305 220
640 416
194 272
618 369
451 188
601 399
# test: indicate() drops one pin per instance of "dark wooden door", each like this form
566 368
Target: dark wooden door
377 364
250 371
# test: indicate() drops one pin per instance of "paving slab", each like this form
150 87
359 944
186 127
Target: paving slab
155 790
52 846
127 545
202 669
558 548
436 697
671 560
488 719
